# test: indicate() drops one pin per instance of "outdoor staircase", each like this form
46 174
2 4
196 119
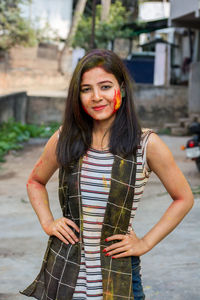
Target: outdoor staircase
182 126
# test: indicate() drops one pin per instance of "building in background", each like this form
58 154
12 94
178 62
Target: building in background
151 62
185 16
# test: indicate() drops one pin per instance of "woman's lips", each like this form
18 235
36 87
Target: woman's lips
99 107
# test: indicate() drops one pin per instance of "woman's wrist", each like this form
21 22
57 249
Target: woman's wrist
45 223
146 245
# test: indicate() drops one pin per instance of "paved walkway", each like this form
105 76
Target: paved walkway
170 271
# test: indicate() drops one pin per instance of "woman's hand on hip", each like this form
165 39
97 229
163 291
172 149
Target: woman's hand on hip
61 229
127 245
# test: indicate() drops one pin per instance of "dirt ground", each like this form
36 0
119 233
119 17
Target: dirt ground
170 271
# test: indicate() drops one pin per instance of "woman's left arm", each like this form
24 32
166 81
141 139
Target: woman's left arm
161 162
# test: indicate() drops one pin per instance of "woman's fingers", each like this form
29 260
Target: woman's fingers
71 223
115 237
61 229
60 236
117 250
68 232
122 248
67 236
114 246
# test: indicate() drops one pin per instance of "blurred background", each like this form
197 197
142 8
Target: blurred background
41 42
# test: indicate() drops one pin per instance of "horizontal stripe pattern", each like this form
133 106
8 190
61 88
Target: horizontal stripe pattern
95 186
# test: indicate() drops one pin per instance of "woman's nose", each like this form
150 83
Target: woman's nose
96 95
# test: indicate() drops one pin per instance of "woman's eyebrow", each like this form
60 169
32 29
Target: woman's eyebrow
85 84
101 82
105 81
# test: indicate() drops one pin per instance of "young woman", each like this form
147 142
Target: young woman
104 160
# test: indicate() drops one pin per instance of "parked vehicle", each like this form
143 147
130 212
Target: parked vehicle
193 145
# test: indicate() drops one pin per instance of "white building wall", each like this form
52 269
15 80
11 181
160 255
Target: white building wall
180 8
57 14
149 11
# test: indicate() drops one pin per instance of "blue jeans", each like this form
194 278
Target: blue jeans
136 279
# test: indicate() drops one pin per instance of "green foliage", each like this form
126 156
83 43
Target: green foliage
165 131
14 134
14 29
105 31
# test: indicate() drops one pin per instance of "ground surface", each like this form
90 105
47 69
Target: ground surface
170 271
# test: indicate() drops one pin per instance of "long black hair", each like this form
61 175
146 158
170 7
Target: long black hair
76 133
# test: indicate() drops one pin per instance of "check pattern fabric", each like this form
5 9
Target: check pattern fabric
58 275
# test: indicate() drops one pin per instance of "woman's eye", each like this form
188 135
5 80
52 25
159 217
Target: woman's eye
105 87
85 90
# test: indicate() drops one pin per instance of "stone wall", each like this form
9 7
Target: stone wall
155 105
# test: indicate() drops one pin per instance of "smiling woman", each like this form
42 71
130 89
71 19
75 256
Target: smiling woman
100 95
104 160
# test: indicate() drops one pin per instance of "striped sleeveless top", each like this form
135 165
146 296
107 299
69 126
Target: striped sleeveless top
95 187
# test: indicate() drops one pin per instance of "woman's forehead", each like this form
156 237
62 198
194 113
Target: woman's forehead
97 74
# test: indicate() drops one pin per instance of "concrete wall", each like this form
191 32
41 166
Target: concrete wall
41 109
155 106
159 105
13 106
194 88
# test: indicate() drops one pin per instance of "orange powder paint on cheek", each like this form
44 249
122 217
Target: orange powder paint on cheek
117 100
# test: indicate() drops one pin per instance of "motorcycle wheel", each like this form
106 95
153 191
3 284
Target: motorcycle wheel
198 163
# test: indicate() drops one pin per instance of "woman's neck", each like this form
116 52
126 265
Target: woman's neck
100 135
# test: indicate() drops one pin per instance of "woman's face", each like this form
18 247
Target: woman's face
100 94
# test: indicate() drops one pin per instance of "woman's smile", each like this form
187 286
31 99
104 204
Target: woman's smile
100 107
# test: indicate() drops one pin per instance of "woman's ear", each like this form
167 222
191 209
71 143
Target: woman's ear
122 92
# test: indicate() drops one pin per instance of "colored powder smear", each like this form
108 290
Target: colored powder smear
37 166
117 100
110 290
121 163
85 109
105 182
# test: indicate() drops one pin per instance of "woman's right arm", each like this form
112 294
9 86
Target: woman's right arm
37 192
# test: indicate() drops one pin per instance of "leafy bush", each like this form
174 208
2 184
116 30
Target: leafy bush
14 134
14 29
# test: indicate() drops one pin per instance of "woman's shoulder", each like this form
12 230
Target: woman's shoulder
146 132
59 130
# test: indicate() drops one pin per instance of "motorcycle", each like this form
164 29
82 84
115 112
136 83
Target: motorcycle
193 145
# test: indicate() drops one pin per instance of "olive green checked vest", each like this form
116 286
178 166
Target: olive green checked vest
61 263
